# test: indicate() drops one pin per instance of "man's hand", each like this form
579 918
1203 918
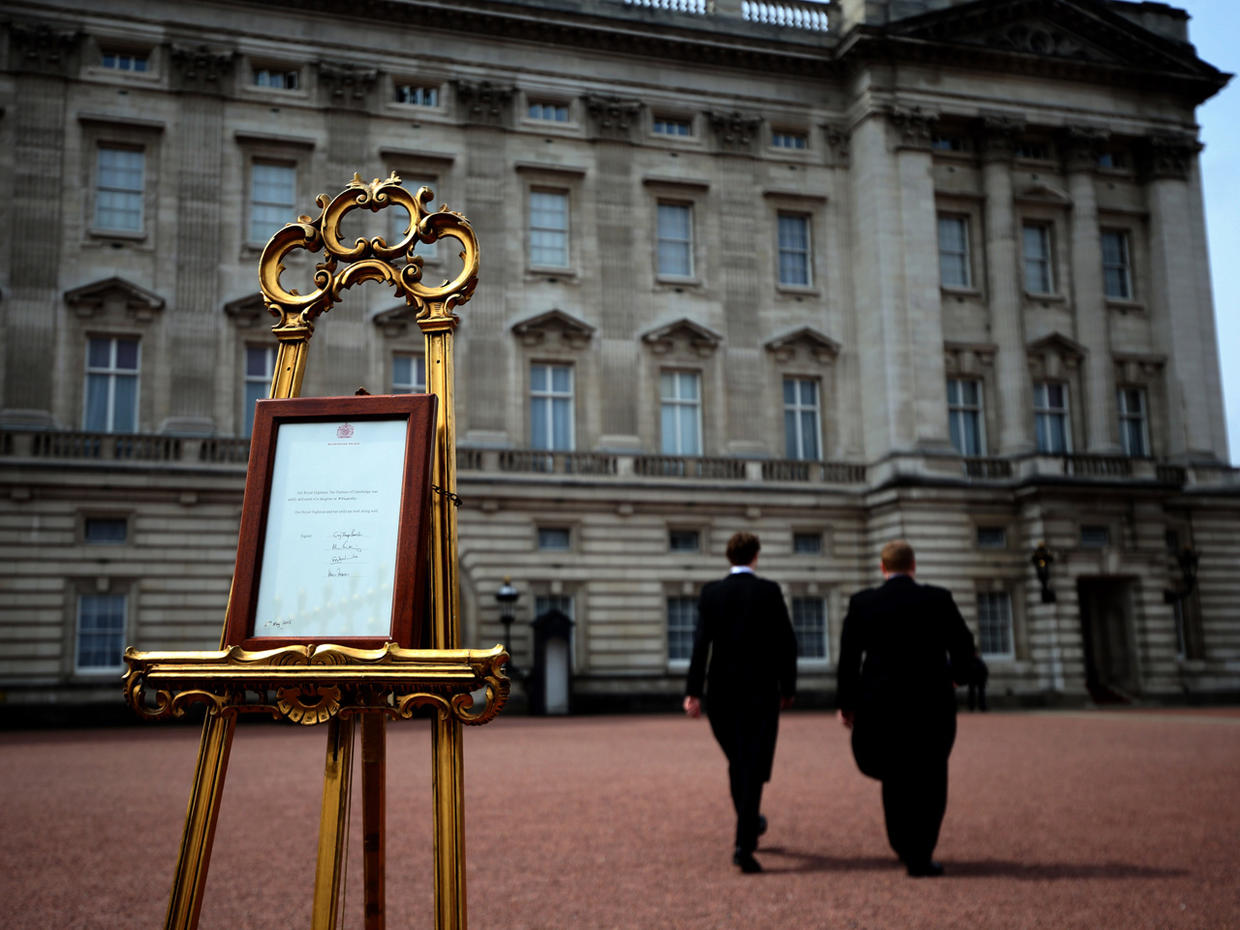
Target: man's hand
786 702
693 706
846 718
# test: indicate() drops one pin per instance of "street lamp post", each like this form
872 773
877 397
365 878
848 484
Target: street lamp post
506 597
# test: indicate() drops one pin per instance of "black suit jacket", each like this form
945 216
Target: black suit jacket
743 625
895 675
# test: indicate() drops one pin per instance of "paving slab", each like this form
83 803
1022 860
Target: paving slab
1121 819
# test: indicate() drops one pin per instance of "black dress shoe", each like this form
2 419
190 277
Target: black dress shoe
761 824
927 869
748 864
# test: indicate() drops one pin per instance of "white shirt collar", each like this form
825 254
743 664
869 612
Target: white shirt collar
737 569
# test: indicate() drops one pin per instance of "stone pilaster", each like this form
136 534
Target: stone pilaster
41 57
1179 306
619 311
899 326
1014 400
1088 299
737 264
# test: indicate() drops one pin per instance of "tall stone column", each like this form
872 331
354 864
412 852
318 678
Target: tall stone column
1003 289
896 283
1088 299
42 58
1180 313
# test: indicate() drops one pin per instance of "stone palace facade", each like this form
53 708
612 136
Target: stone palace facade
832 272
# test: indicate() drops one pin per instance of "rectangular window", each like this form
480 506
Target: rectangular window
545 603
789 140
667 126
260 367
948 144
420 95
994 624
400 218
549 228
111 385
1033 151
551 406
802 422
1050 416
955 269
554 537
964 415
684 541
680 400
100 632
681 624
555 112
276 77
105 530
273 198
807 543
1116 265
127 61
119 189
1134 431
809 623
1114 159
408 373
1095 536
991 537
675 240
1036 245
794 250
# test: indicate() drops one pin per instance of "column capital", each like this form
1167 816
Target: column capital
836 137
1082 145
1169 156
613 117
484 103
343 84
999 136
735 131
200 69
914 127
43 49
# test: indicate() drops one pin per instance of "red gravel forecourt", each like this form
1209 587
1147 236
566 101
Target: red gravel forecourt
1121 819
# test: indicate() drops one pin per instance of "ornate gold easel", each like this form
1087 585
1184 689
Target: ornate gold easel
335 684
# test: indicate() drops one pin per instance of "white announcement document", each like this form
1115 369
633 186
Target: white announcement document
329 552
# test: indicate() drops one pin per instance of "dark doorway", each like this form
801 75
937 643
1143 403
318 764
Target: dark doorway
1106 611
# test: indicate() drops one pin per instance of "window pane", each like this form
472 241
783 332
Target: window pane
681 623
96 415
675 244
809 625
105 529
101 630
994 622
125 404
690 442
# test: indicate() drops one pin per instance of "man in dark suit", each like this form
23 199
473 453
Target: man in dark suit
897 696
743 625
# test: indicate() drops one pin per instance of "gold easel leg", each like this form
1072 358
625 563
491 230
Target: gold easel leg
448 794
185 902
337 778
374 814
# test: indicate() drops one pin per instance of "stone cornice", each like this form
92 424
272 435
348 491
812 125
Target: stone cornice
90 300
43 48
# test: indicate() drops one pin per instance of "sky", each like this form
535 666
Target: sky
1215 30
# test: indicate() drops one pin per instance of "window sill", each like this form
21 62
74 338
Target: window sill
960 292
1125 306
798 290
1046 298
674 282
127 234
558 274
276 94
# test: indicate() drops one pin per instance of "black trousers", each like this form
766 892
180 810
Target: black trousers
746 733
914 801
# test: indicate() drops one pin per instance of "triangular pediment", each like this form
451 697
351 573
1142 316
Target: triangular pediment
700 339
1041 192
1032 34
94 299
819 345
396 321
247 311
551 325
1058 343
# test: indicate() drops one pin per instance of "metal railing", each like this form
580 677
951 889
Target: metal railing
988 468
788 14
1097 465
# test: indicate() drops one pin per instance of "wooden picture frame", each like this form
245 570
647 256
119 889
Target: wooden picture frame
335 523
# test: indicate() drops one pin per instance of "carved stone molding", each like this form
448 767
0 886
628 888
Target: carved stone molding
246 312
914 127
555 324
1082 145
484 103
836 138
395 322
1169 156
94 299
1054 356
616 118
968 358
200 69
699 340
736 132
1137 367
345 84
999 136
819 346
41 49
